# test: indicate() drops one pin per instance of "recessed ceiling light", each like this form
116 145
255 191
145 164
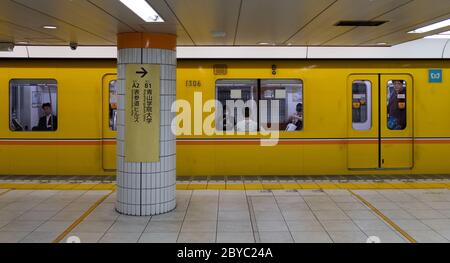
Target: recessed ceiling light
431 27
49 27
22 43
218 34
382 44
143 9
263 43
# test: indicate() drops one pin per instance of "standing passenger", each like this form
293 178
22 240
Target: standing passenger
397 107
49 122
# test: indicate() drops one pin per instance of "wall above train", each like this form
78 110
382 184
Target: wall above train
419 49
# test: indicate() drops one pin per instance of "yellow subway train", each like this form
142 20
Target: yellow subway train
302 117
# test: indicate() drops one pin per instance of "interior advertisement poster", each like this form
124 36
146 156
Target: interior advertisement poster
142 112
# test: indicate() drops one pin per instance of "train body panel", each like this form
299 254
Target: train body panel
75 148
322 147
327 144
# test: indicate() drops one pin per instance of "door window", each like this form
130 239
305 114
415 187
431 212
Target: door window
362 105
396 105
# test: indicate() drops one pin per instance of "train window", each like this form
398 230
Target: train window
396 104
113 105
362 105
237 100
289 96
33 105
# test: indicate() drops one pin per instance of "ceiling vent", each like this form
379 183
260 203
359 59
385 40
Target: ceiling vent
361 23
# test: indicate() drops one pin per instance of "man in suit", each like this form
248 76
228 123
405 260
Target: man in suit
48 122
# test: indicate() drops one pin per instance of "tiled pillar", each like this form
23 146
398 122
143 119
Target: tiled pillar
147 188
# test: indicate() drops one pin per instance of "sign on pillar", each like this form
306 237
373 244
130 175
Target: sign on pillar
142 109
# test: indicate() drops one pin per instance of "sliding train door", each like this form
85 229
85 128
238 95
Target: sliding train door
109 121
363 129
380 131
397 133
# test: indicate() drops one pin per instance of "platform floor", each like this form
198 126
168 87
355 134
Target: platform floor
295 215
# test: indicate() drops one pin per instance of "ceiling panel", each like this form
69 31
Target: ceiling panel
220 22
322 29
31 19
275 21
15 33
121 13
396 38
401 36
183 38
401 20
81 14
201 18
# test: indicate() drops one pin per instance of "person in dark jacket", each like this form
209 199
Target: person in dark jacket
397 107
48 122
295 122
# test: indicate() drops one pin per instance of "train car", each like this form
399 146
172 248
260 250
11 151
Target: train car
82 142
348 125
335 117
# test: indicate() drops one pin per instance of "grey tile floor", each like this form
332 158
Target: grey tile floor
302 216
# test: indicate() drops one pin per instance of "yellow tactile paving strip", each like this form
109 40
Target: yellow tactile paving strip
298 186
81 218
51 186
385 218
238 186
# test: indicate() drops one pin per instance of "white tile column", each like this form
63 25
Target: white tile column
148 188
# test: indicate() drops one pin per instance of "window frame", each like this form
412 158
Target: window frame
258 97
301 83
254 92
109 103
10 104
388 97
367 125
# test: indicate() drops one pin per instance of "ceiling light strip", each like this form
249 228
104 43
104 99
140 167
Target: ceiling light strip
431 27
144 10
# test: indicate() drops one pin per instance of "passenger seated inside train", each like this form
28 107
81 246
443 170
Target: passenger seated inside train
295 121
397 106
48 122
247 124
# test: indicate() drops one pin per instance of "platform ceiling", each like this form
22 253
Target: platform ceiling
221 22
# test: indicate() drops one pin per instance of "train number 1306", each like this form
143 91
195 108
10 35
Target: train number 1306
193 83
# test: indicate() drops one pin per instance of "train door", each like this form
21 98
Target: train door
363 131
380 130
109 121
396 121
